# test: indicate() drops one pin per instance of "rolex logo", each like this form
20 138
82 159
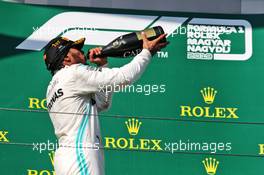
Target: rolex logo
210 165
208 95
209 112
133 126
133 143
51 156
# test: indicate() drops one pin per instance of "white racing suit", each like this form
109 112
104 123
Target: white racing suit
74 97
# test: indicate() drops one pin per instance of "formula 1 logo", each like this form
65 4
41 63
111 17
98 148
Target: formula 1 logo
206 39
97 28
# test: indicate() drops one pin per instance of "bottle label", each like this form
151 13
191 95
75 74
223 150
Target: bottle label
149 32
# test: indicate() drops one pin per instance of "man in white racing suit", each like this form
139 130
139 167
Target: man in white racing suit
75 96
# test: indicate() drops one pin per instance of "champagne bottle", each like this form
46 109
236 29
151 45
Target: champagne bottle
130 44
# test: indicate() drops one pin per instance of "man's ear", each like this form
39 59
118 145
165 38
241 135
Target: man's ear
44 56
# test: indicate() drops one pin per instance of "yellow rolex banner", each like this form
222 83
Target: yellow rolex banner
197 109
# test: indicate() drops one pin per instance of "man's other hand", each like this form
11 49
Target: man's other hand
154 45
